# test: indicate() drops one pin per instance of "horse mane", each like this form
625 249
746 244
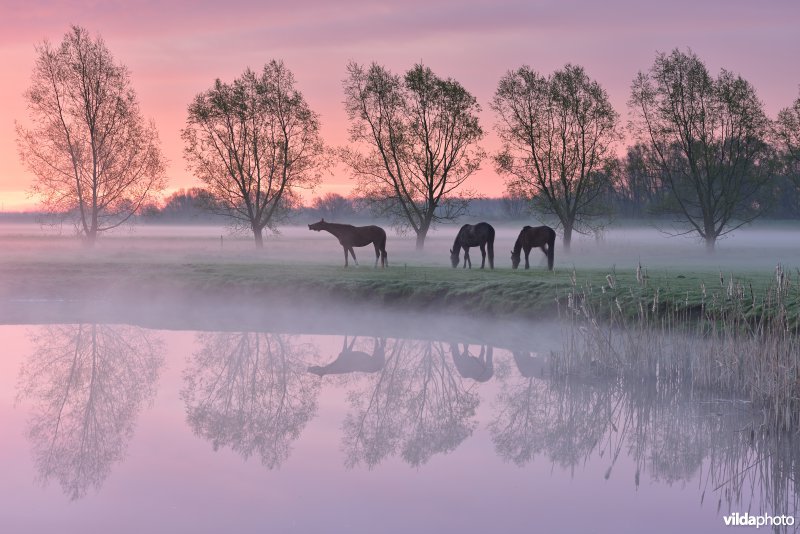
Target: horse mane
518 243
338 225
456 244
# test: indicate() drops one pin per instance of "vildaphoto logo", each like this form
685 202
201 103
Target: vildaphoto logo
765 520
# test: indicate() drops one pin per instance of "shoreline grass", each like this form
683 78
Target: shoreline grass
740 339
499 293
735 332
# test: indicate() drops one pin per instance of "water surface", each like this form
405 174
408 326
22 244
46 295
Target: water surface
355 428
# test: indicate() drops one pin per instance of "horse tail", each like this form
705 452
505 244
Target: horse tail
490 246
551 242
382 248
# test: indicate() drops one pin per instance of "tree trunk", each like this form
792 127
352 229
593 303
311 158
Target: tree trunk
91 238
259 238
422 233
711 241
567 236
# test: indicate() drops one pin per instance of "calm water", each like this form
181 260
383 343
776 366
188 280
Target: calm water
117 428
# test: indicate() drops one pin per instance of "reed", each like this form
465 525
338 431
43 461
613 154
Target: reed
736 340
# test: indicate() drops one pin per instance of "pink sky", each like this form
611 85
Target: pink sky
176 49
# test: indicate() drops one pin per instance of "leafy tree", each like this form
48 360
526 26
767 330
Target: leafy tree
95 158
253 143
640 188
787 137
415 144
708 139
557 135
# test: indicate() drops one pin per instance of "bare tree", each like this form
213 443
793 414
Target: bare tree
253 143
708 140
94 156
418 138
557 137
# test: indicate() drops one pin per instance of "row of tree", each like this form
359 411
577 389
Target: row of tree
705 149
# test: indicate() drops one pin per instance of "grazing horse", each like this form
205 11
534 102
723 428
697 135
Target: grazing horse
478 235
350 361
350 236
478 368
530 237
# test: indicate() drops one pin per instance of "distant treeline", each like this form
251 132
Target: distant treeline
632 196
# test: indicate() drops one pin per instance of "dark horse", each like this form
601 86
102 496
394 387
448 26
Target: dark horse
351 361
531 237
479 368
477 235
356 236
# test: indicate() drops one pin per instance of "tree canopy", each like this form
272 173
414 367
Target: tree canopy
253 143
95 158
557 135
415 144
708 140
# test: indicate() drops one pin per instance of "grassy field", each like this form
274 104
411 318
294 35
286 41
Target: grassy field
700 321
196 263
499 292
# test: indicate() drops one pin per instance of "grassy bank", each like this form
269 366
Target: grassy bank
734 332
502 292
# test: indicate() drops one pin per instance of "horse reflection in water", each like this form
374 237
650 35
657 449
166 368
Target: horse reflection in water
350 361
479 368
530 365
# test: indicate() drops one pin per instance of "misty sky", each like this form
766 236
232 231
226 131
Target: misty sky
175 49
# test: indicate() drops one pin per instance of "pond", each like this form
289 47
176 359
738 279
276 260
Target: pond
365 423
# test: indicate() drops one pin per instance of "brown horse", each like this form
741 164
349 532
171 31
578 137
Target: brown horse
479 368
477 235
543 237
351 361
350 236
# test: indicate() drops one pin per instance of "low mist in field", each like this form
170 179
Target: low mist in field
756 248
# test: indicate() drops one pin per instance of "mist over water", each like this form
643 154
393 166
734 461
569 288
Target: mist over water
313 416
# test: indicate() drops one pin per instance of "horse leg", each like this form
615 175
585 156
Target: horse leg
345 256
466 258
490 249
353 253
377 255
483 255
527 258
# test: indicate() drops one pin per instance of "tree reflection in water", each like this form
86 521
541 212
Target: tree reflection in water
416 405
87 384
250 392
670 433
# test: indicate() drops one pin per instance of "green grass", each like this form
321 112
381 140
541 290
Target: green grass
500 292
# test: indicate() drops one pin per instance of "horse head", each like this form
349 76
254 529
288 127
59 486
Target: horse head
317 226
515 257
454 258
